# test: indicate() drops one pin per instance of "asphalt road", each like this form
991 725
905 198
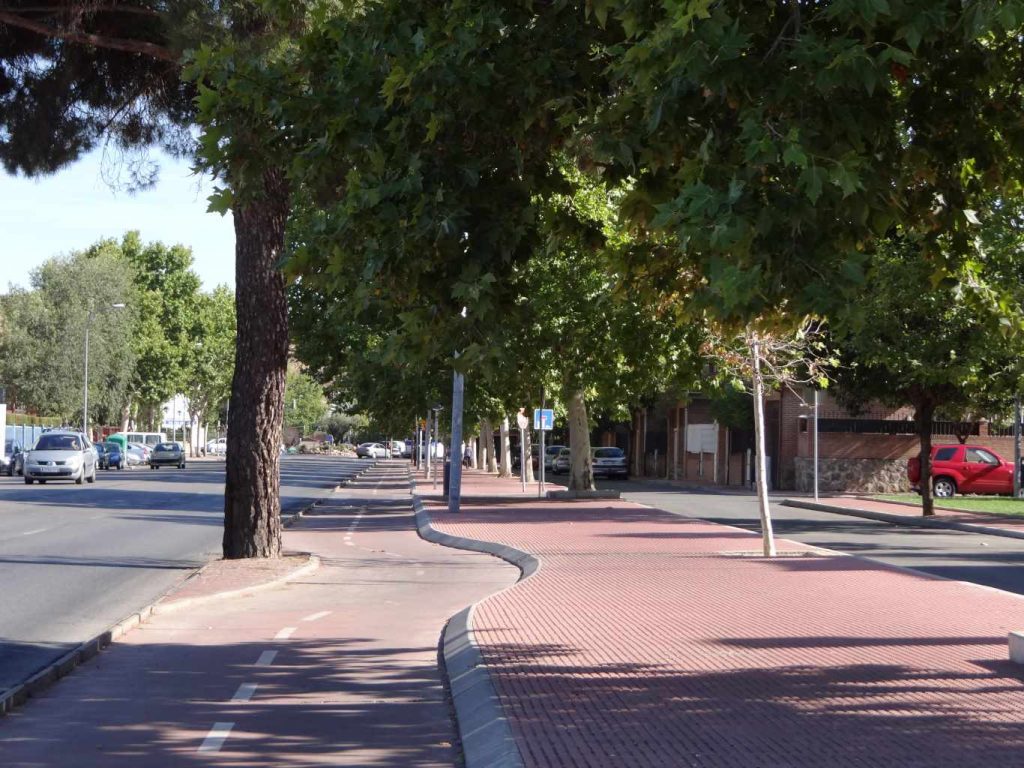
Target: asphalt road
75 560
992 561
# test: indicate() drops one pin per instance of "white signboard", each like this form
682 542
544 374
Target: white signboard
702 438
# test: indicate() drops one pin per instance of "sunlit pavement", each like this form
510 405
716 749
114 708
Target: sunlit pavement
647 639
75 560
337 668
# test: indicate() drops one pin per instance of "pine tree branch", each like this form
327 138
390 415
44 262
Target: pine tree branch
152 50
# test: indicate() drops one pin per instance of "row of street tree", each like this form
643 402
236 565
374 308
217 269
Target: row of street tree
152 334
590 198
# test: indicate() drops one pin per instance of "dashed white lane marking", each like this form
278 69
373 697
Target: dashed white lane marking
244 692
315 616
215 738
349 544
33 533
285 633
420 573
266 658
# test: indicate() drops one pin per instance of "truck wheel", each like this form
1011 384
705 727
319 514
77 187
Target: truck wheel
943 488
28 481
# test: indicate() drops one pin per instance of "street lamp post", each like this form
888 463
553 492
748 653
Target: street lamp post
85 382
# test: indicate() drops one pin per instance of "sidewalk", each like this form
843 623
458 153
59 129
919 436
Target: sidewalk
905 514
337 666
644 639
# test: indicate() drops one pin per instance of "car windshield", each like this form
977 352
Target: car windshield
112 446
167 447
608 453
555 449
59 443
565 452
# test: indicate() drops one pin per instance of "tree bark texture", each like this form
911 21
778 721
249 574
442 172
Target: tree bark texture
924 413
760 464
252 510
581 476
505 466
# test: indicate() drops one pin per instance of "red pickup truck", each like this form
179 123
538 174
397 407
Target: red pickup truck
964 469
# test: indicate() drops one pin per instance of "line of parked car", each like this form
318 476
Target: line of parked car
69 455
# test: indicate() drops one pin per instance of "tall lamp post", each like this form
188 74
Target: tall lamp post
85 383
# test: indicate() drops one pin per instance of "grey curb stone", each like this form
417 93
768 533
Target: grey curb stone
487 740
912 522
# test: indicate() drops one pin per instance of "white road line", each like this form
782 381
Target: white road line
244 692
215 738
349 544
285 633
315 616
266 658
37 530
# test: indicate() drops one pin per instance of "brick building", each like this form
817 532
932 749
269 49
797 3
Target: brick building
864 451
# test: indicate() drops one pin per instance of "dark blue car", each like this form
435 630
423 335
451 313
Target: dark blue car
111 455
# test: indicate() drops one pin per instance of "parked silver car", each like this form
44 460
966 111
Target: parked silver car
562 463
136 455
609 461
60 455
551 453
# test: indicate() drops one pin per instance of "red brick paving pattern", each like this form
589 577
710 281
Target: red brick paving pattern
641 642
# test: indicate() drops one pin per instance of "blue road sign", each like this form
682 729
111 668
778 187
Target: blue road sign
543 419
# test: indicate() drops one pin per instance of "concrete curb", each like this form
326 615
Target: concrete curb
50 674
912 522
487 740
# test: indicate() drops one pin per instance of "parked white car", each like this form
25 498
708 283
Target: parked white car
60 455
136 455
217 447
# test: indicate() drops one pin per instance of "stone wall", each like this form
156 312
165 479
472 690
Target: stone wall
853 475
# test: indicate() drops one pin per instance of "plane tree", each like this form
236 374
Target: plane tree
950 346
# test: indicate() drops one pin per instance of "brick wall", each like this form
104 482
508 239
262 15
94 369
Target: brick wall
843 445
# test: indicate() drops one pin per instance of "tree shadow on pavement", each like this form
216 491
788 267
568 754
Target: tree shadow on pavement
839 716
337 702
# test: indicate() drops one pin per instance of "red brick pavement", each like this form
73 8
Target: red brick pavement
651 640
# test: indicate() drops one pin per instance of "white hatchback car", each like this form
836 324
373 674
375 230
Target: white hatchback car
61 456
218 447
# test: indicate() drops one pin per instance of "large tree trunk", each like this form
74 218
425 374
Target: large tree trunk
488 437
505 467
924 413
761 465
581 476
252 512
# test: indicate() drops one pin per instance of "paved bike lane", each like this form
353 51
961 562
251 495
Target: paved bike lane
337 667
644 639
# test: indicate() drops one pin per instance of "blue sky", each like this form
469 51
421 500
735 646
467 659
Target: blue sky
40 218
